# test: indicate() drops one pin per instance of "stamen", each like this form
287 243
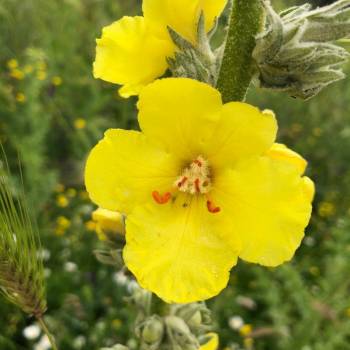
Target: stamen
198 162
182 182
161 199
196 183
212 209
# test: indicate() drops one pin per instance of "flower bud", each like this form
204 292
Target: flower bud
180 334
108 224
152 331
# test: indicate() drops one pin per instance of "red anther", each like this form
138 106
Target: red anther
198 162
161 199
182 182
212 208
196 183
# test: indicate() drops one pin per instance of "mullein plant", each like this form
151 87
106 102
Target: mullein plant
21 265
204 183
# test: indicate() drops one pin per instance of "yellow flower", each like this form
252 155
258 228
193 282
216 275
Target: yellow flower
63 222
212 344
17 74
56 80
90 225
200 187
248 343
62 201
20 97
347 312
28 68
79 123
133 51
245 330
12 63
41 75
108 223
326 209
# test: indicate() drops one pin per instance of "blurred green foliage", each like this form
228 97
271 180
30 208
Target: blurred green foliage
52 112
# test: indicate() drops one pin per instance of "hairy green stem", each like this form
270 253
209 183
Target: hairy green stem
237 67
47 332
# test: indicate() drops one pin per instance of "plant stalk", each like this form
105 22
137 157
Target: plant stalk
237 66
47 332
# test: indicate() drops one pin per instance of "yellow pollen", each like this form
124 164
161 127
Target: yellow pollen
195 178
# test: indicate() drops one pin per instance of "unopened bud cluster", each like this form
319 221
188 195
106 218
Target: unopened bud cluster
296 51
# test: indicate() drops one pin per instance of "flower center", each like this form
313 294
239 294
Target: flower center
195 178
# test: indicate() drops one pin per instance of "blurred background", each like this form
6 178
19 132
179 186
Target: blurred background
52 112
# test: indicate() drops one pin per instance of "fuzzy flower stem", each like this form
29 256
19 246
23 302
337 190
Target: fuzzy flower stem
47 332
237 68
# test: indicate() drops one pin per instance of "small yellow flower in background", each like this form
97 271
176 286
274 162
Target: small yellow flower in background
79 123
133 51
202 184
347 312
108 223
12 63
20 97
212 344
248 343
71 192
326 209
90 225
62 224
246 330
56 80
62 201
28 68
41 75
17 74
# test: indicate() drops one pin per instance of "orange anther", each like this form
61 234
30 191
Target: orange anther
161 199
182 182
198 162
196 183
212 208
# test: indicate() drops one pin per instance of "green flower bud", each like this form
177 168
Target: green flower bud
295 52
151 333
180 335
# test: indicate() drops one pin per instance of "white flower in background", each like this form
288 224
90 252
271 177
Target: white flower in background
70 266
79 342
120 278
32 332
236 322
43 344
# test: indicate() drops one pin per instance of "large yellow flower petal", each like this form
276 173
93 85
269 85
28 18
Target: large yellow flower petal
123 170
129 54
178 250
243 131
182 15
270 204
179 114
